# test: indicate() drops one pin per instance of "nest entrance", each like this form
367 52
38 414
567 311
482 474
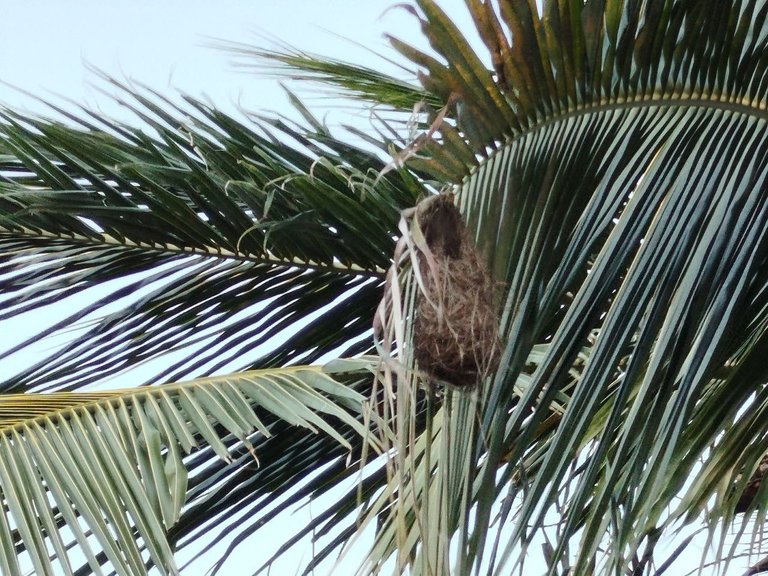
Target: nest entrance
455 335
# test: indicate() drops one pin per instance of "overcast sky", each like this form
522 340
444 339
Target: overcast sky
46 44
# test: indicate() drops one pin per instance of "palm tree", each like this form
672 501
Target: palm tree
610 175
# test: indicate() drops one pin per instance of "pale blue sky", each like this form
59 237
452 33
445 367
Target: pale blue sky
45 44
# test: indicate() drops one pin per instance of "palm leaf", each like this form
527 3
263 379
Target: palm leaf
360 82
199 203
611 168
617 186
116 460
93 213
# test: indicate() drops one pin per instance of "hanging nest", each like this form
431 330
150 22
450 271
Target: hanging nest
753 486
455 333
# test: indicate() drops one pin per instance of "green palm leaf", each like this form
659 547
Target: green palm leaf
116 460
199 203
622 206
93 214
608 159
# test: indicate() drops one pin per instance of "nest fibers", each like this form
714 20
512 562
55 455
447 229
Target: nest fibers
455 328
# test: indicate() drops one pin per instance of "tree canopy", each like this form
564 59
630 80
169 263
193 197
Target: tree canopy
608 162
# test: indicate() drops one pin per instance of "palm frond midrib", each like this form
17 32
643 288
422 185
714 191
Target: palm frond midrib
106 241
745 106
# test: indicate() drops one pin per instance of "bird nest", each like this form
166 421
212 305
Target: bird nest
455 331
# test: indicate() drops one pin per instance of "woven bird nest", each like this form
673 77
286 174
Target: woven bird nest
455 333
753 486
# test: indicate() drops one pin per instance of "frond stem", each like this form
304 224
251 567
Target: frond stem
106 239
745 106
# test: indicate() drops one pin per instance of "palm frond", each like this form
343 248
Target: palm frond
360 82
117 460
609 160
93 214
619 192
209 214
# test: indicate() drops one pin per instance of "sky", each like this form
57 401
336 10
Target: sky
49 48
